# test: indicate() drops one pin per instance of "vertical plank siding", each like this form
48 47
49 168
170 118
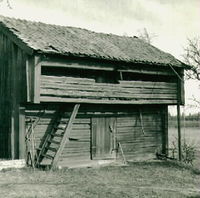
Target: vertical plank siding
103 131
136 144
12 93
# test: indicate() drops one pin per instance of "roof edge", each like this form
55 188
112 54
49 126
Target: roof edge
85 56
186 66
19 42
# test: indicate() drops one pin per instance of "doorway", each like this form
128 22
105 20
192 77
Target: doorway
103 144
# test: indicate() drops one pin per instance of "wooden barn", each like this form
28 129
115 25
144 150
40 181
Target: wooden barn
70 95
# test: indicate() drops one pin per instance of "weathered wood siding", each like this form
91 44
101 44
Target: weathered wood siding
138 129
103 137
140 134
68 89
79 145
12 93
27 79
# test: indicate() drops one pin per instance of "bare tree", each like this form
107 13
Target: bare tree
7 2
192 57
146 36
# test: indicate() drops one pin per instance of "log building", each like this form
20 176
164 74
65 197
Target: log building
69 95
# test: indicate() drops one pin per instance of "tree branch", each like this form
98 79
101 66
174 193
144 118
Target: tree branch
192 57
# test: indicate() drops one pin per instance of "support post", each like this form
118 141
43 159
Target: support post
37 76
22 131
165 142
179 132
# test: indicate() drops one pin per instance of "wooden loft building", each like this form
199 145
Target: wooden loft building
69 95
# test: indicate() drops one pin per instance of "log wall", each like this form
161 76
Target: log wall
138 129
78 147
69 89
140 135
23 82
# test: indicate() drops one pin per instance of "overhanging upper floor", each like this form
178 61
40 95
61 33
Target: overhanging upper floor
51 79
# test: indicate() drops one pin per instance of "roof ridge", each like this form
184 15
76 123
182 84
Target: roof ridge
66 26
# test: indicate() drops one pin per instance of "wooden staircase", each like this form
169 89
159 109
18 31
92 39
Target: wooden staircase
55 141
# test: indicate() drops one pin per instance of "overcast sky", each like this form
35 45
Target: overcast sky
172 21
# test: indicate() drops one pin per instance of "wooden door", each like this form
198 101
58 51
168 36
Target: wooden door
103 137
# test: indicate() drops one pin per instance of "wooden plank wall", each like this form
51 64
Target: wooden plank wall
12 93
69 89
78 148
137 142
140 135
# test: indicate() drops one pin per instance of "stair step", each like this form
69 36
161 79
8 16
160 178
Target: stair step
73 139
54 142
47 156
57 135
52 149
60 127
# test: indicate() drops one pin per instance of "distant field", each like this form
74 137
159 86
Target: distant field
191 134
186 123
192 137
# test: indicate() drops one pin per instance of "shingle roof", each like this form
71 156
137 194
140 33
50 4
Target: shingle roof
55 39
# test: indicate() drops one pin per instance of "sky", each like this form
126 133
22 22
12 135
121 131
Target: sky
170 21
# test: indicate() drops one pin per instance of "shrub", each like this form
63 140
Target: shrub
188 151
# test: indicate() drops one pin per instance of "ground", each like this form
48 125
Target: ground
147 179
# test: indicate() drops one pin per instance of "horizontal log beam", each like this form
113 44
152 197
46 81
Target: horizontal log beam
69 89
76 65
100 101
107 95
91 65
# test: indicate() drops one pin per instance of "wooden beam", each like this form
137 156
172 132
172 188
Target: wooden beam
109 66
165 130
122 152
93 138
121 75
76 65
106 101
147 71
30 69
22 133
182 94
28 81
66 135
179 133
33 76
124 83
181 89
12 137
180 100
37 77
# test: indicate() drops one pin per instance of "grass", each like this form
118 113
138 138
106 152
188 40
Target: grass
151 179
